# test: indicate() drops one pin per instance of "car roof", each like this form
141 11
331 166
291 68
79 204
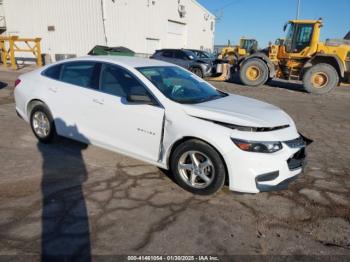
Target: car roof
173 49
123 61
197 50
170 49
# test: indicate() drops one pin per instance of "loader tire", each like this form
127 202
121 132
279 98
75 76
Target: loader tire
254 72
320 79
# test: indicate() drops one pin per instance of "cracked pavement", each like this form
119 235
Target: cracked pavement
69 198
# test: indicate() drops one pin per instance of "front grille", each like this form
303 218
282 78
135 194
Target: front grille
297 160
296 143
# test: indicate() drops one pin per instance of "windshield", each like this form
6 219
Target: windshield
180 85
289 37
190 54
207 54
203 54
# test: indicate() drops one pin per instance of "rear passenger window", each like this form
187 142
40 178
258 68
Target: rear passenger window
80 73
117 81
53 71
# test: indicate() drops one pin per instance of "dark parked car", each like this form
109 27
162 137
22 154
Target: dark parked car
203 55
209 58
186 59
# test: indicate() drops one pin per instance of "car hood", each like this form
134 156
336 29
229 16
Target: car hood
205 60
239 110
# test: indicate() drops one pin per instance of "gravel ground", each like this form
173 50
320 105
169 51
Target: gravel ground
70 198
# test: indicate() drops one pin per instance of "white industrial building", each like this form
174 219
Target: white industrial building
2 18
75 26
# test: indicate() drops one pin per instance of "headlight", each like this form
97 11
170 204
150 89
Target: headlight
257 147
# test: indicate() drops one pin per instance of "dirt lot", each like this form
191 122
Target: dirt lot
71 198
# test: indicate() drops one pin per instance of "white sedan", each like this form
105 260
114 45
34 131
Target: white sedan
164 115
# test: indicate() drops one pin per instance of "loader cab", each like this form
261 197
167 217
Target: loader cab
249 45
302 37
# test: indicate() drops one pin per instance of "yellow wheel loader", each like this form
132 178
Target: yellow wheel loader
347 37
300 56
234 54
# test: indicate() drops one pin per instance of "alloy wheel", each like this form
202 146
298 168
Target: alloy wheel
41 124
196 169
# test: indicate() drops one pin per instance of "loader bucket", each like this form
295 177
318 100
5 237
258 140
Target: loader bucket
223 73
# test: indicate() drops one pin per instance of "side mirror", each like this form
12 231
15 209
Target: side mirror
285 27
139 99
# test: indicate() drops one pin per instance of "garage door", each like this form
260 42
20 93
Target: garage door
177 35
152 45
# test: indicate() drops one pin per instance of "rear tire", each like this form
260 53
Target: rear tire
198 168
42 124
320 79
254 72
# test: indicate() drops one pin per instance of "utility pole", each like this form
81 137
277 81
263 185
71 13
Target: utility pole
103 14
298 10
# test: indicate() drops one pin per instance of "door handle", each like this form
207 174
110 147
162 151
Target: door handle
97 101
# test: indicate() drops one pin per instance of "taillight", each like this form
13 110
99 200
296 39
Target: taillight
17 82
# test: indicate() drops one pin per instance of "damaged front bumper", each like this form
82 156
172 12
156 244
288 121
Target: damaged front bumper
269 172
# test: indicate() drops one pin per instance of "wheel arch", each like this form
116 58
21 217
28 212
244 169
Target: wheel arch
181 140
32 103
332 60
197 66
265 59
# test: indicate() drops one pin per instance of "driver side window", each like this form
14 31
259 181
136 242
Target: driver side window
303 37
298 37
119 82
110 82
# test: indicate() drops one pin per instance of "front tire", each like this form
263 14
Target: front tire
254 72
320 79
198 168
42 124
197 71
